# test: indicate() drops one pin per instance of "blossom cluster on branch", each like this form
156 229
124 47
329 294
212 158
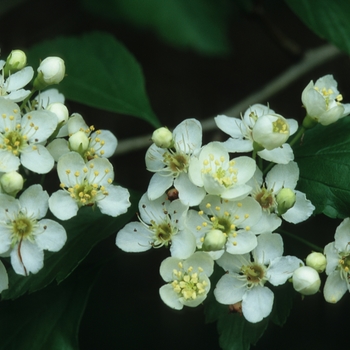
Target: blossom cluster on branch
209 206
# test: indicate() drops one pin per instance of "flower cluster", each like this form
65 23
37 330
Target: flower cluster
209 206
37 136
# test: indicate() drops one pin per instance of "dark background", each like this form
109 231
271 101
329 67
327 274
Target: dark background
125 311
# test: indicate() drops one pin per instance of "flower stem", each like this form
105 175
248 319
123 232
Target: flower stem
298 135
314 247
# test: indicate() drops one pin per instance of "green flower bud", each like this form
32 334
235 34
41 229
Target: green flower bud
317 261
285 200
306 280
79 142
163 137
15 61
214 240
11 183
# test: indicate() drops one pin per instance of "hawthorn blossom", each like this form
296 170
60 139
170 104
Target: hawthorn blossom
246 278
223 225
94 143
171 165
262 129
188 282
22 138
322 101
87 184
217 174
338 264
266 193
161 224
24 234
12 87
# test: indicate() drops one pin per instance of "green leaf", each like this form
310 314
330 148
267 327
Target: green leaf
101 73
199 24
324 161
48 319
328 19
84 231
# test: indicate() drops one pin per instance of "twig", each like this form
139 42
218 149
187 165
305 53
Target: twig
312 59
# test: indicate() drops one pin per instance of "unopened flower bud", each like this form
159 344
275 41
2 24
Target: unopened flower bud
60 110
11 183
163 137
271 131
214 240
306 280
15 61
78 142
317 261
51 71
285 200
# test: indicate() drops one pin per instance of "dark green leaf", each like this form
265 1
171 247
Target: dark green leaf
324 161
198 24
48 319
101 73
84 231
328 19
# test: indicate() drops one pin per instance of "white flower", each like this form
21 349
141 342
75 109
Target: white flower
233 219
170 165
245 279
22 138
4 280
99 143
188 282
51 71
323 101
11 88
217 174
87 184
338 264
280 177
261 125
161 224
306 280
24 234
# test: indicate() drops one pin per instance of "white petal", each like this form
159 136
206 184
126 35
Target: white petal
154 158
109 146
332 255
62 205
267 223
342 235
158 185
134 237
167 267
293 126
58 148
282 268
301 210
67 166
38 160
233 263
194 172
19 79
244 242
116 202
230 289
188 136
257 303
8 161
280 155
5 239
200 260
183 245
189 193
169 297
270 246
283 175
18 95
100 171
35 201
53 236
4 280
334 288
231 126
27 257
238 145
75 123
